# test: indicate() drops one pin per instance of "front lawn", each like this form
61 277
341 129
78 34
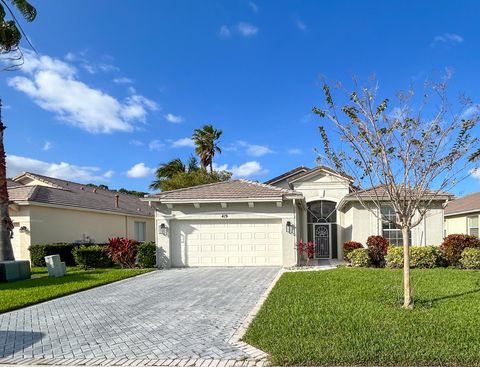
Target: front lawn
28 292
353 316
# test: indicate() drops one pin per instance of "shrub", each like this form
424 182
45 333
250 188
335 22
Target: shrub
454 244
349 246
91 256
359 257
147 255
122 251
377 249
470 258
420 257
38 253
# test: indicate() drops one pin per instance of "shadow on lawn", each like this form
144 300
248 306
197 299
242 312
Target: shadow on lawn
429 303
12 341
48 281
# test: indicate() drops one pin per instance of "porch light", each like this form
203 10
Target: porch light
163 229
290 227
23 229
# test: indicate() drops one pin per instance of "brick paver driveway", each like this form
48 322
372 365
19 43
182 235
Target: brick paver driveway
173 314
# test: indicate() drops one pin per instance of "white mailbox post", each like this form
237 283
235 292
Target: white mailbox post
56 268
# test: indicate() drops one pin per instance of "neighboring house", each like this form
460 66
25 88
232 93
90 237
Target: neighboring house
48 210
240 222
463 215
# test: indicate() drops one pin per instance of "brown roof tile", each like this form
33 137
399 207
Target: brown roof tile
467 203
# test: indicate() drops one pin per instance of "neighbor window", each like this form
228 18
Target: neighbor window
473 226
139 228
389 231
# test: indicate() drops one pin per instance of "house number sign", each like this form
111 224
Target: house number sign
224 216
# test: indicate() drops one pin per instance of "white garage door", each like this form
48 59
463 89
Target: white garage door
246 242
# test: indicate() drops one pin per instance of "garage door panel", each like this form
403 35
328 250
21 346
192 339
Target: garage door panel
231 243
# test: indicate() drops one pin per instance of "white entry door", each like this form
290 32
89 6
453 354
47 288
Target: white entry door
246 242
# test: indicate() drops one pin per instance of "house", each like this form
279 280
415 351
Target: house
49 210
463 215
245 223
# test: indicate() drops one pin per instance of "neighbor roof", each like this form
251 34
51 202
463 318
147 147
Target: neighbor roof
68 193
381 193
465 204
233 190
303 171
288 174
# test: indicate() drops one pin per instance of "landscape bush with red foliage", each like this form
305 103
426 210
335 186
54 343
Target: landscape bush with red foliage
377 249
307 248
349 246
122 251
454 244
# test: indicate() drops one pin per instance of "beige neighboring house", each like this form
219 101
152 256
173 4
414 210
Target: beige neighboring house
245 223
50 210
463 215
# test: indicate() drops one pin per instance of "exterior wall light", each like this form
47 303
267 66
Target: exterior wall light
290 227
23 229
163 229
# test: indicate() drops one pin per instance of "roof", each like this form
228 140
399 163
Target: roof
234 190
288 174
11 183
380 193
68 193
465 204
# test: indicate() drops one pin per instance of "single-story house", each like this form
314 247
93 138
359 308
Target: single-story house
463 215
245 223
49 210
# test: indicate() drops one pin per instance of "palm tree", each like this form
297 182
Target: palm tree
206 144
10 35
167 170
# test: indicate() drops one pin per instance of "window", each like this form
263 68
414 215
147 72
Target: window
321 212
473 226
389 231
140 229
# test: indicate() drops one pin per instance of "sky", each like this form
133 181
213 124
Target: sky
117 87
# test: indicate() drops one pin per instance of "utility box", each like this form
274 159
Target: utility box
55 267
14 270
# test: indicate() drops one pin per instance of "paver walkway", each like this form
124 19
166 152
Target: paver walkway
164 316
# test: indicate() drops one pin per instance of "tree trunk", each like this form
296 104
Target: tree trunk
407 290
6 225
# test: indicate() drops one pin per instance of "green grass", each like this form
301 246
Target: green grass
42 288
354 317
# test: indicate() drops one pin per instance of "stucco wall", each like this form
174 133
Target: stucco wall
51 225
20 216
458 223
269 210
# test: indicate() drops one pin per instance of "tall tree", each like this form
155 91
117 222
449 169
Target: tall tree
10 36
410 155
206 142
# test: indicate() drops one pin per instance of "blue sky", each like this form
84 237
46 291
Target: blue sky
118 87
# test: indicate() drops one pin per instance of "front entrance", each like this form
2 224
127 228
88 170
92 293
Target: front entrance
322 240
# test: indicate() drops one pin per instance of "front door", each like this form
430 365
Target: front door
322 240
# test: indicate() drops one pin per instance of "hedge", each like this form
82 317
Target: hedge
91 256
420 257
359 258
65 250
470 258
454 244
147 255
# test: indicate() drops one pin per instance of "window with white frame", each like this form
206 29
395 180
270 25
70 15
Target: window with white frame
139 231
473 226
389 231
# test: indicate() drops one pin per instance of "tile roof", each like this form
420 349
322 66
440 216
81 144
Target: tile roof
228 190
73 194
318 169
288 174
467 203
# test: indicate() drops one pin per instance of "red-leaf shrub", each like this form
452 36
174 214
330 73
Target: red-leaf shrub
349 246
454 244
300 248
310 249
377 249
122 251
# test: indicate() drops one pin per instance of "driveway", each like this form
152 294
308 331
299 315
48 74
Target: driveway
172 314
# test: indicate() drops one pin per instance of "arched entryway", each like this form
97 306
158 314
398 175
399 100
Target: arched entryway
322 228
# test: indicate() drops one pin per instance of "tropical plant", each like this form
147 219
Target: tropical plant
454 244
349 246
122 251
410 154
206 144
359 258
11 33
377 249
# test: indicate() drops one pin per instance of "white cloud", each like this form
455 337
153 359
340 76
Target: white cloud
475 173
140 171
301 25
47 145
54 86
247 169
247 29
294 151
471 111
451 39
109 174
122 80
253 6
136 142
183 142
155 145
253 150
225 31
63 170
175 119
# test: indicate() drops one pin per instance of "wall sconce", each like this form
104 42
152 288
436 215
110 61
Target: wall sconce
163 229
290 227
23 229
